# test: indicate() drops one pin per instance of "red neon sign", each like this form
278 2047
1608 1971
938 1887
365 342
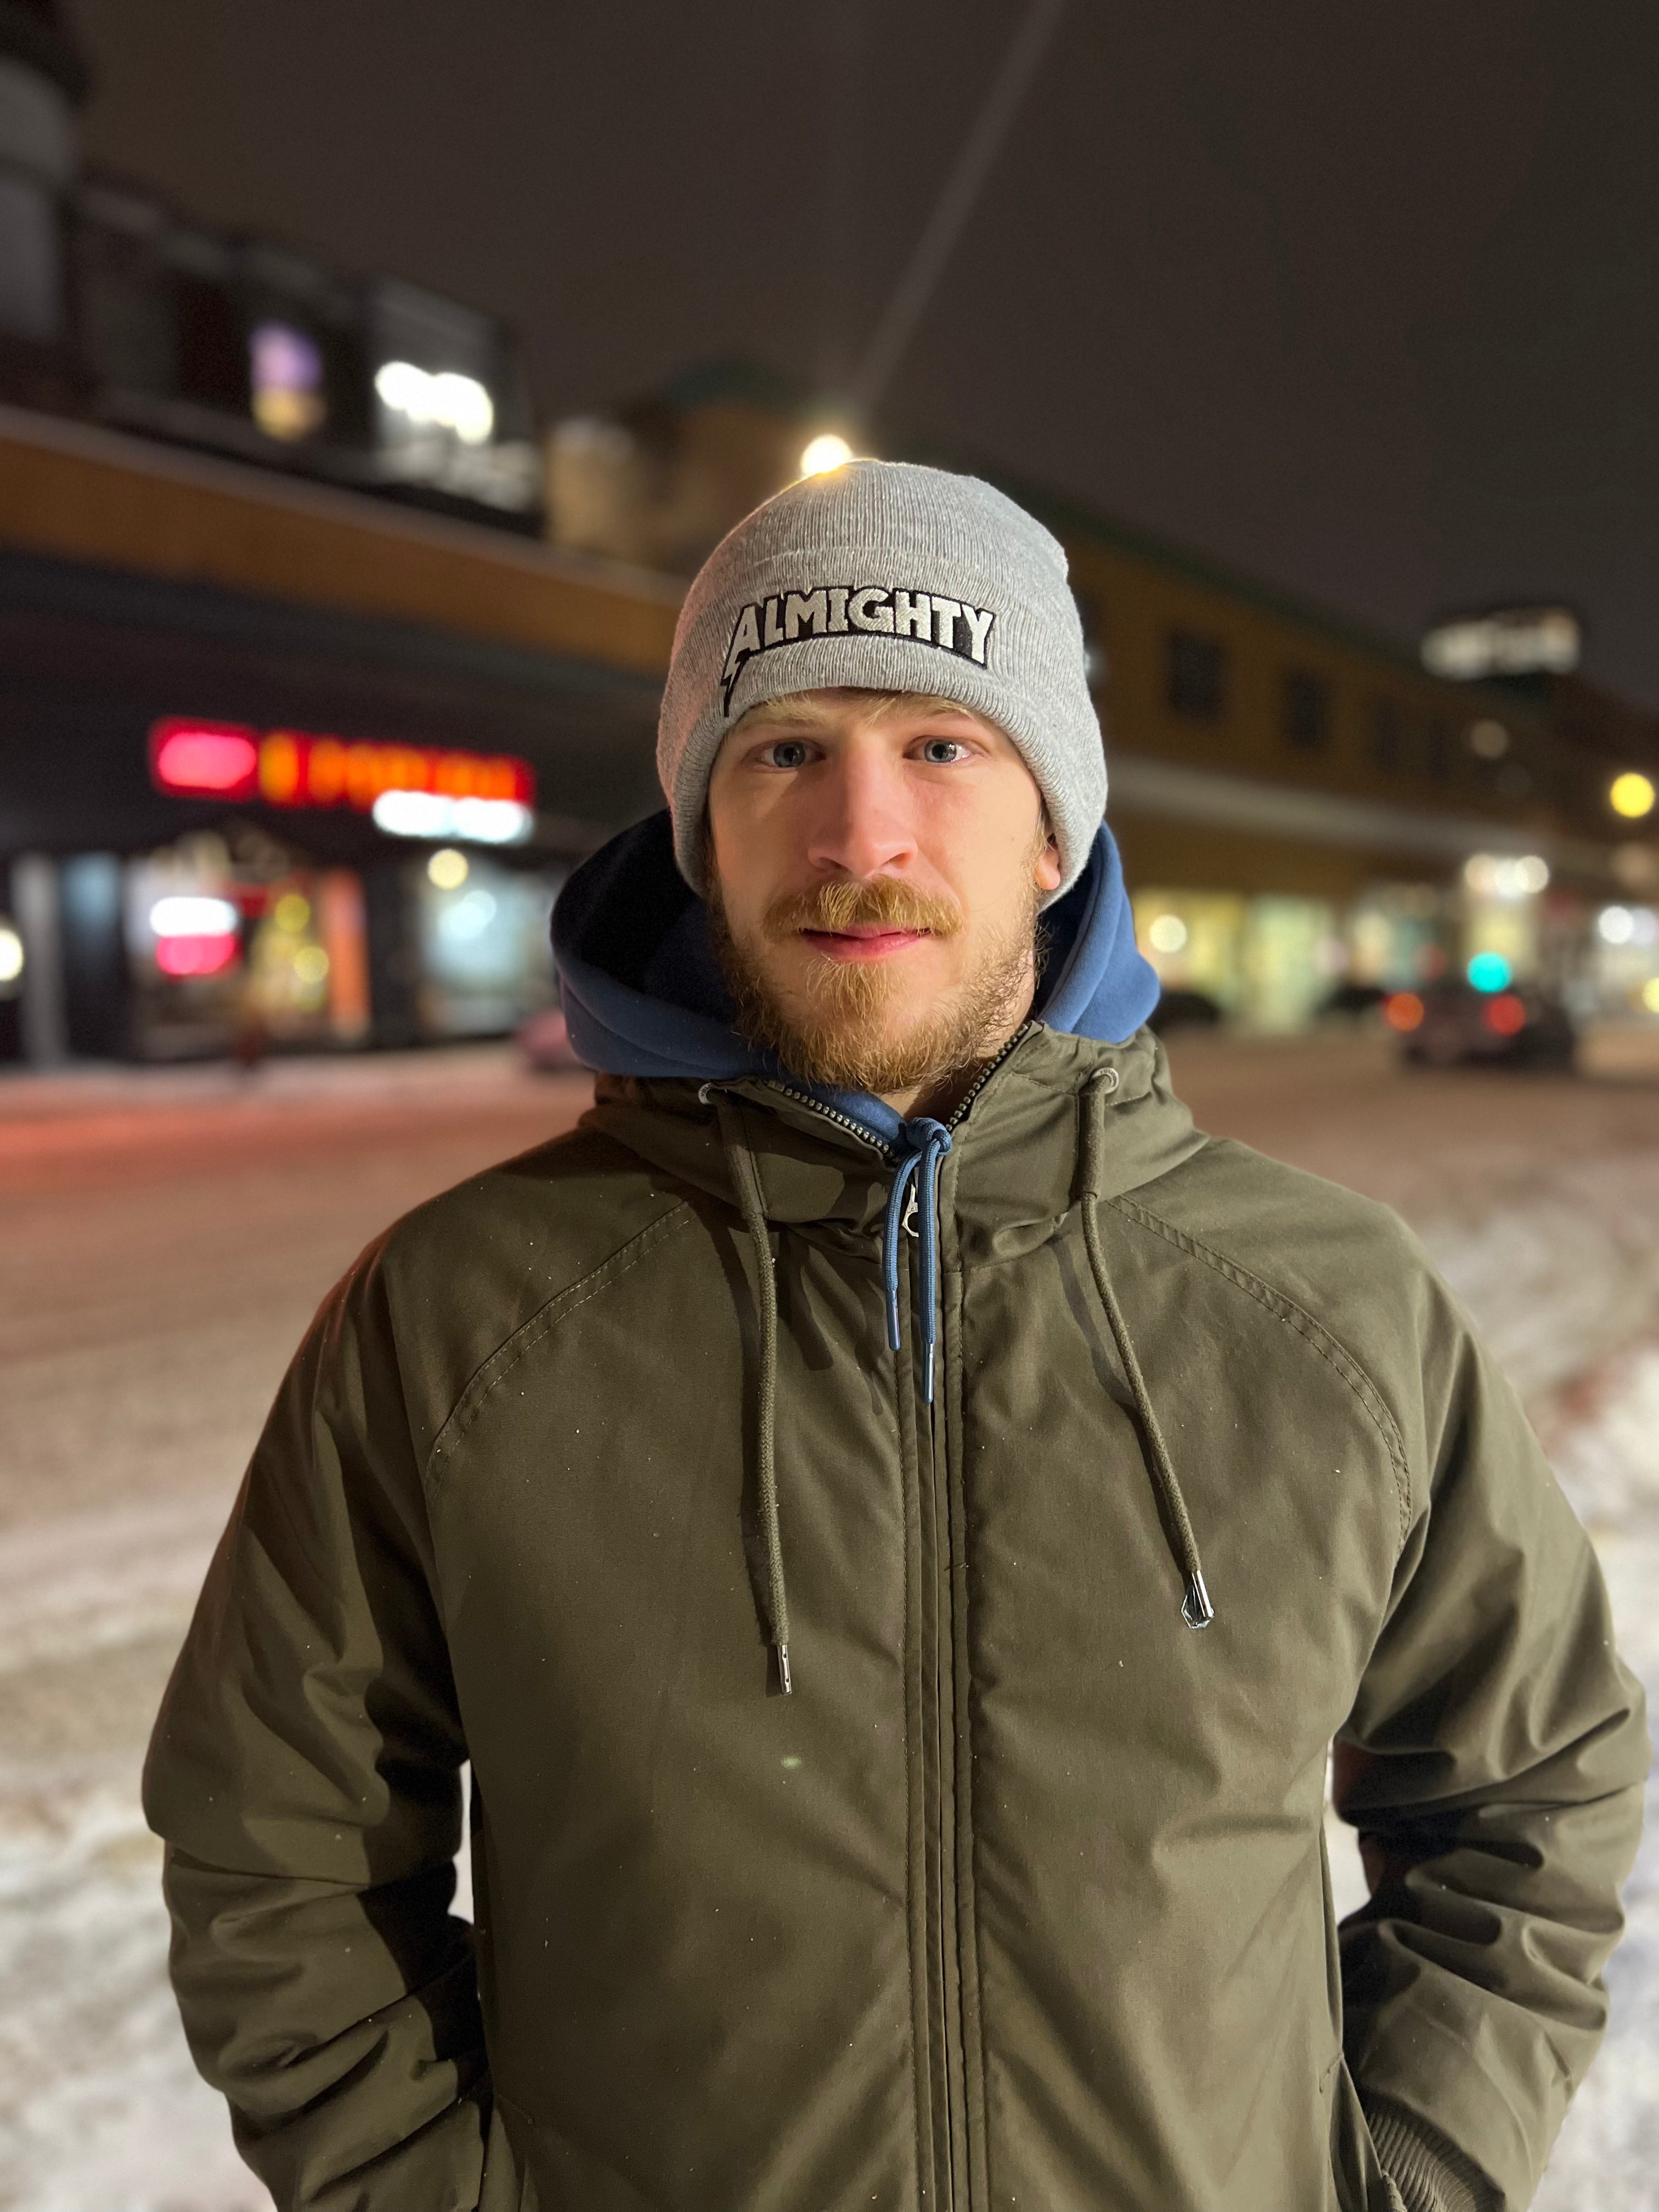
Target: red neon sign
195 955
214 760
286 768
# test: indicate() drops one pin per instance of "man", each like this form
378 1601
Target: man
895 1519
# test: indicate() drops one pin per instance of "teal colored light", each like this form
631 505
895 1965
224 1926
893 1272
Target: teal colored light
1490 971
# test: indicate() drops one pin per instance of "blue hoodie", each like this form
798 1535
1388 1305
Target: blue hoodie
643 993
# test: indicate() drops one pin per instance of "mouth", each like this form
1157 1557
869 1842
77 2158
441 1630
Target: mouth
868 942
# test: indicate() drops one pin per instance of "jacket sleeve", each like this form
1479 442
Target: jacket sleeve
304 1774
1493 1764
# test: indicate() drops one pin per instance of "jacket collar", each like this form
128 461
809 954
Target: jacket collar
1014 1163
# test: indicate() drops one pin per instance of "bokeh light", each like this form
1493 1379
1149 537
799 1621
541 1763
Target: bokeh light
1633 795
824 453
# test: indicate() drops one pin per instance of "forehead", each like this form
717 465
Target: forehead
846 709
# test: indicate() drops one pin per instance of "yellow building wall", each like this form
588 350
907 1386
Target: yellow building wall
114 502
1135 602
1202 856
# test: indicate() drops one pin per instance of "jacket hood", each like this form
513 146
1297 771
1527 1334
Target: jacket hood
643 993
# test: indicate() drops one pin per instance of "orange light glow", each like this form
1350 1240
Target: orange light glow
1403 1010
1506 1016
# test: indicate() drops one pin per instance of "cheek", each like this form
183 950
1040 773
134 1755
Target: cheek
740 861
984 842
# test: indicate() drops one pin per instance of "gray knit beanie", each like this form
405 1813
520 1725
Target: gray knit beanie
891 578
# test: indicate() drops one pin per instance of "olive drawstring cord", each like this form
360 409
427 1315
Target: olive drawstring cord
751 1203
1196 1607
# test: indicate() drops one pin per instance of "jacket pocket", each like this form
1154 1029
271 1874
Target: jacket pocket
1355 2170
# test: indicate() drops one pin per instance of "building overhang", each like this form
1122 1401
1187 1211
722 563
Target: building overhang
1170 790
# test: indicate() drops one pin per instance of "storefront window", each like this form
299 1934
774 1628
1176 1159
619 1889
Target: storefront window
1290 958
486 960
1625 962
185 947
1268 962
1399 936
309 961
1194 939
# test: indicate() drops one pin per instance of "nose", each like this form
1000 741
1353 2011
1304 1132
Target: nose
863 825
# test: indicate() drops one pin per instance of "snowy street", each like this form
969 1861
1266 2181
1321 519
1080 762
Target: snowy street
164 1238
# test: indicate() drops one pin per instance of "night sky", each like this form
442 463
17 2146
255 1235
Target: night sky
1357 299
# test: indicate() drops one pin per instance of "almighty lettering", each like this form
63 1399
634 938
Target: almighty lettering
840 610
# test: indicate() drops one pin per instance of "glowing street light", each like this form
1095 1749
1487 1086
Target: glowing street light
824 453
1633 795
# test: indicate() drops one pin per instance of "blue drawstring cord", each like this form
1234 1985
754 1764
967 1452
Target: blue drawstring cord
927 1143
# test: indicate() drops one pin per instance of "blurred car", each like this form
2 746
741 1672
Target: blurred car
545 1040
1454 1025
1352 1001
1183 1010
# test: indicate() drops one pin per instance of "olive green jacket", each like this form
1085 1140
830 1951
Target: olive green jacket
1019 1899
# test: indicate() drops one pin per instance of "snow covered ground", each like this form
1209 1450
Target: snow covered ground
162 1245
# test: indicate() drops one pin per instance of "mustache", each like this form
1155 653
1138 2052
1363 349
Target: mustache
882 903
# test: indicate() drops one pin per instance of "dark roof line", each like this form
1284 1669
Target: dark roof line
96 593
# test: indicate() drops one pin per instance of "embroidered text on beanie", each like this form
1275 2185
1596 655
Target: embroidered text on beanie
889 577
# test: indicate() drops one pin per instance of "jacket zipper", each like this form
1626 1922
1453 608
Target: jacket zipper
943 1535
988 1071
945 1692
867 1135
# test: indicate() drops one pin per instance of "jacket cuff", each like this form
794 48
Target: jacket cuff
1432 2174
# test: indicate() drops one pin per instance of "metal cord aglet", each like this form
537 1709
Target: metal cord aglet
784 1682
1196 1607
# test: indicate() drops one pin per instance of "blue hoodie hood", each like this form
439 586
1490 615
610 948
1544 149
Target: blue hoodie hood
643 993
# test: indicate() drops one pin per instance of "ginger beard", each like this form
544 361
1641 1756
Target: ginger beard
853 1024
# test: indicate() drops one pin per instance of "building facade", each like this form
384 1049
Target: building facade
303 716
1307 814
281 763
299 718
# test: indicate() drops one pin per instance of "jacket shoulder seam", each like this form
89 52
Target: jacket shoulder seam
1284 1309
530 1332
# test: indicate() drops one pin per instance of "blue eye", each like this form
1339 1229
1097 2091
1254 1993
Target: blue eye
939 752
788 752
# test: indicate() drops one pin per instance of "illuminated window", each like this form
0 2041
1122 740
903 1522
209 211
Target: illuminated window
1305 708
1195 679
287 381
